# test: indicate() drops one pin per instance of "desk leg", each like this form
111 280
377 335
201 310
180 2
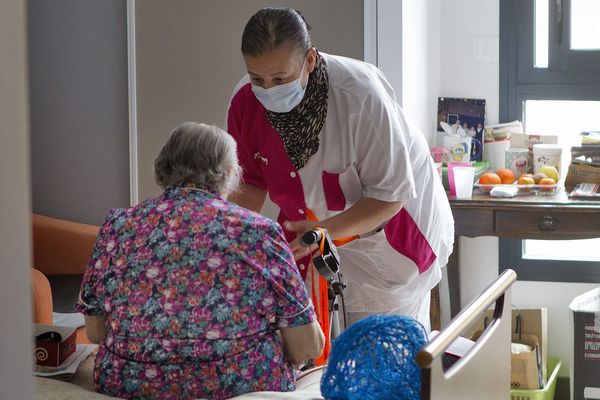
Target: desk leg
435 315
453 272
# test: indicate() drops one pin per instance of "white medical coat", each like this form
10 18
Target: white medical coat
367 149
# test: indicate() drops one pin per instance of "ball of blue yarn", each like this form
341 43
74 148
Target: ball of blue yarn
374 359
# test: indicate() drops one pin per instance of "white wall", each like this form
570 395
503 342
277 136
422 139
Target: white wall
421 62
463 76
15 261
388 41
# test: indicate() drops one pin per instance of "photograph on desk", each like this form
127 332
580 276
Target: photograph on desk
466 117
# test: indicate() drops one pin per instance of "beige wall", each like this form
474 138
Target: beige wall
15 264
78 108
188 60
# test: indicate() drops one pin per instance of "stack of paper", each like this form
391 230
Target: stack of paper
69 366
72 320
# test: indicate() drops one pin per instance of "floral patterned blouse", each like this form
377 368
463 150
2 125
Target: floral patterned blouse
188 283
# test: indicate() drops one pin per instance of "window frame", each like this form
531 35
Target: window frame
571 75
511 256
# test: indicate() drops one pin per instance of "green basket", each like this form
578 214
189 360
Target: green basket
547 393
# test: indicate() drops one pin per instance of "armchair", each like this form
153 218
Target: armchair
42 298
60 249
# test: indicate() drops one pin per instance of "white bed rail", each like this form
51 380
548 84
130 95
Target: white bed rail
484 372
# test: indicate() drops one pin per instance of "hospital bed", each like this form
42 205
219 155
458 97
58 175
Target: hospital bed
482 373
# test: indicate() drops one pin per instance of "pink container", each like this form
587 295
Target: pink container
451 166
438 154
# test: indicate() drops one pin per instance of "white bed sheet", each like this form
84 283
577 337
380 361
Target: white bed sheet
81 387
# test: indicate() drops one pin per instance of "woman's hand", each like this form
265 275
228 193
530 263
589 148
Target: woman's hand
364 216
303 343
95 328
300 227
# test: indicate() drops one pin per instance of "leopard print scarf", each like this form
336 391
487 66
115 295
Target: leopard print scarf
299 129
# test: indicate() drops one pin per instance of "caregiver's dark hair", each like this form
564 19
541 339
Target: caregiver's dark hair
271 27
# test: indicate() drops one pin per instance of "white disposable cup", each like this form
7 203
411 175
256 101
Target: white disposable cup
451 166
463 180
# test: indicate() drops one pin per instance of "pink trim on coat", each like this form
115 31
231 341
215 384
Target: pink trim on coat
264 161
334 195
405 237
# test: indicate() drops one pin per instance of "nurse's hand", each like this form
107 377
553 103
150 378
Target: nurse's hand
300 227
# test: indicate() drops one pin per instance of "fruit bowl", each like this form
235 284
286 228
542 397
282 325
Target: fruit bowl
523 189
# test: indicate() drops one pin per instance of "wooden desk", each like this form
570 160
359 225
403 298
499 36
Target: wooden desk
539 216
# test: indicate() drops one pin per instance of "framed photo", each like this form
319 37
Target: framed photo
469 114
452 118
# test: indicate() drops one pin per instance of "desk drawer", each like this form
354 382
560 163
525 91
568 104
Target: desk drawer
576 224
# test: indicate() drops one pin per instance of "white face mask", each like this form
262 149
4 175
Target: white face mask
281 98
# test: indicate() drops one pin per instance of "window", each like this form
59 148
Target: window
550 79
585 34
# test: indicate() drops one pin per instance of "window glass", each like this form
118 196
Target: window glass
578 250
585 28
541 33
565 119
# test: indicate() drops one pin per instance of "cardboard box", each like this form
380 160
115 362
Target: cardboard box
53 354
527 140
582 172
585 355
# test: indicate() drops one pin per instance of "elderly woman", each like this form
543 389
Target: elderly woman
181 288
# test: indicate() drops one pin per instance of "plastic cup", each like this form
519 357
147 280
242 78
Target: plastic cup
437 153
463 180
451 166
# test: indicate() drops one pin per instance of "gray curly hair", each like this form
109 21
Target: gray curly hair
202 154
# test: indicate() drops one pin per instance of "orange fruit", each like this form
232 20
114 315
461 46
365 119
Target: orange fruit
526 176
547 182
526 180
489 178
506 175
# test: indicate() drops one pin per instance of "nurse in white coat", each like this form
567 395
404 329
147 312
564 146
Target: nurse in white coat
324 137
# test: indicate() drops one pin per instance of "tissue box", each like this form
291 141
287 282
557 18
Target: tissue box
53 354
526 140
